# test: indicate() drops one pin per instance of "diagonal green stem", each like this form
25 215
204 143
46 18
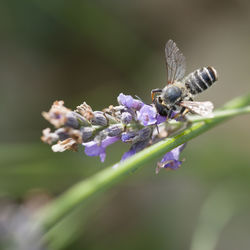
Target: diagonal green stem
221 114
83 190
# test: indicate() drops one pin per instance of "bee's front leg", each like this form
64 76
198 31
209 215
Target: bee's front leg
184 111
153 92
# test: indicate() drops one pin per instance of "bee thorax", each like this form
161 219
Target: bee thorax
171 94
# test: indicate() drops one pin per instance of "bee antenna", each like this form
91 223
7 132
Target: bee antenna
139 98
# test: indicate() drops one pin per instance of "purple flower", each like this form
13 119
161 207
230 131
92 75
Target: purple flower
171 159
147 115
94 148
129 102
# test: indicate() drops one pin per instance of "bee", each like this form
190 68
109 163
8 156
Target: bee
179 91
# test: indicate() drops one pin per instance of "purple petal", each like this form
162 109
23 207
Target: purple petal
160 119
110 140
171 159
137 104
128 154
129 102
102 156
147 115
173 154
94 148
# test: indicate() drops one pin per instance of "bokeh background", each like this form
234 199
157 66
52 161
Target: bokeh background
93 50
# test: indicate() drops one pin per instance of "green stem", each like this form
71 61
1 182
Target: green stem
83 190
221 114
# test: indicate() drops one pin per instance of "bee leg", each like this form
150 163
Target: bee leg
158 131
169 113
184 111
153 92
176 116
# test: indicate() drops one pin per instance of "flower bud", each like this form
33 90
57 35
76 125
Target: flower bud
71 120
145 133
111 119
115 130
87 133
99 119
81 120
126 117
62 134
128 136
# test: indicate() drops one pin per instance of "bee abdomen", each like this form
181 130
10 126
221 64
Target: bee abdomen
200 80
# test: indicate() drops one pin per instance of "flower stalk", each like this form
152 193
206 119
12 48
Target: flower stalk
80 192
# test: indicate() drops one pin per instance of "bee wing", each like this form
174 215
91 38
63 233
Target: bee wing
200 108
175 62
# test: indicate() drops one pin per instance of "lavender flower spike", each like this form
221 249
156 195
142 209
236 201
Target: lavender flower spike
131 122
96 148
171 159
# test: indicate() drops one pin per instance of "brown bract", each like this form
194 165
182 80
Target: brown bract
49 137
75 138
71 143
86 111
74 134
57 114
64 145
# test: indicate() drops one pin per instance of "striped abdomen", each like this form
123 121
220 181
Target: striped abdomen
200 80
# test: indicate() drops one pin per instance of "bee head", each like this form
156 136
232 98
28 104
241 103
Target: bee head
171 94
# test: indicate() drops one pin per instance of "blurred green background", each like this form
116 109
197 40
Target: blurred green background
93 50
